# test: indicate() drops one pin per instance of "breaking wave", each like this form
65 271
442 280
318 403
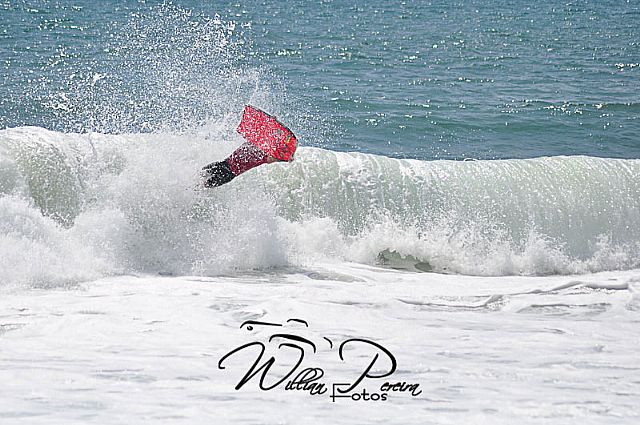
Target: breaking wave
80 206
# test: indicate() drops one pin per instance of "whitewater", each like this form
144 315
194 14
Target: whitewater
93 205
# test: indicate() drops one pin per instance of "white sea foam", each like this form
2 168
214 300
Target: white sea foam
554 349
109 204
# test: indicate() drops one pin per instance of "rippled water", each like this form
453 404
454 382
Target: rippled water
410 79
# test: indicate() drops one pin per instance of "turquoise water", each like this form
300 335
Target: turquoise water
425 80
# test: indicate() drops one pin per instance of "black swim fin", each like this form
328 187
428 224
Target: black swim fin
216 174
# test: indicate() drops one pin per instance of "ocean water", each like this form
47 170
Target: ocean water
466 196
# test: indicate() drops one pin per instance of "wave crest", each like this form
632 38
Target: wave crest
99 204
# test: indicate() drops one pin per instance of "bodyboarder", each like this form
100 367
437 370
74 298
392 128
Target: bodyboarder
268 141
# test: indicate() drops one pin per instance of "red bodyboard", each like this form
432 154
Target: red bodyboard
267 133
